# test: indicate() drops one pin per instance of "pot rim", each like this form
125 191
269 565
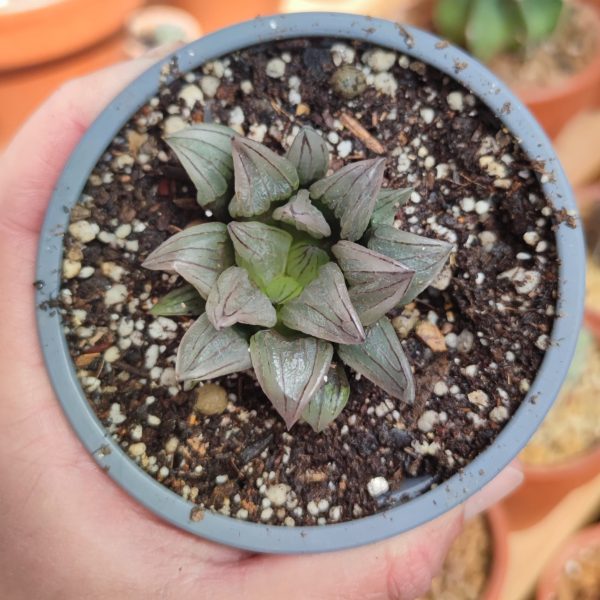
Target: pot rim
572 546
406 514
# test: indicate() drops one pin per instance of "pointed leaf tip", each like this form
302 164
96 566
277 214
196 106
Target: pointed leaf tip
381 360
388 203
310 155
260 249
351 193
377 282
324 309
329 401
289 371
205 353
199 254
182 301
425 256
204 151
303 215
236 299
261 177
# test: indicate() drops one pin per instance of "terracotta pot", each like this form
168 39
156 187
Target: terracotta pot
214 15
587 538
554 106
56 29
498 524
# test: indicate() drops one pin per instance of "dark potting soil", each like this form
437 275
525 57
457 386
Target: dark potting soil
475 338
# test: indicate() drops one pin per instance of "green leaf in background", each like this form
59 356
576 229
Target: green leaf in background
303 215
236 299
180 302
260 249
324 309
205 153
450 18
540 17
199 254
282 289
377 282
493 27
304 261
205 353
261 177
387 205
309 154
381 360
425 256
329 401
289 371
351 193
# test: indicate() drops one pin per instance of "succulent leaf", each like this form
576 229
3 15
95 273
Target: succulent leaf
303 215
261 177
289 371
491 27
260 249
324 309
329 401
205 153
309 154
282 289
377 282
236 299
351 193
205 353
450 18
381 360
388 202
304 261
180 302
425 256
540 17
199 254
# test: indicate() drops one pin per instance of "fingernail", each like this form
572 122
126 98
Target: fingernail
500 487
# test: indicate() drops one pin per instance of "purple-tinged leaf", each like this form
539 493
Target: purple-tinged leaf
260 249
330 399
388 202
351 193
381 360
304 261
261 177
199 254
180 302
303 215
309 154
205 353
289 371
425 256
377 282
324 309
204 151
236 299
282 289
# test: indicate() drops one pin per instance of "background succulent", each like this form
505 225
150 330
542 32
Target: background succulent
300 283
488 27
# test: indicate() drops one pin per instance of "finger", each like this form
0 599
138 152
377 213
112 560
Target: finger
33 161
397 569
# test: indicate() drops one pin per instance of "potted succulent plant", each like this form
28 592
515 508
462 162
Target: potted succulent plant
361 306
547 51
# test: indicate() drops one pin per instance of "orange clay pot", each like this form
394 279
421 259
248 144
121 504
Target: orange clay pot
56 29
213 15
555 105
498 524
586 538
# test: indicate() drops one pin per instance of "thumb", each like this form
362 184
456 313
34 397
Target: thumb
33 161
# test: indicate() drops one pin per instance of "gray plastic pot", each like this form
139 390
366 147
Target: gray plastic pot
415 504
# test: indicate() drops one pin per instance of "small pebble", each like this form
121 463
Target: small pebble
267 513
277 494
427 114
137 449
70 268
173 124
428 420
431 336
499 414
211 399
115 294
210 85
386 84
378 486
275 68
84 231
190 94
380 60
348 82
136 433
440 388
344 148
478 397
455 101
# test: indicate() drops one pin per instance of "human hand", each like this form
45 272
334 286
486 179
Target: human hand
67 531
